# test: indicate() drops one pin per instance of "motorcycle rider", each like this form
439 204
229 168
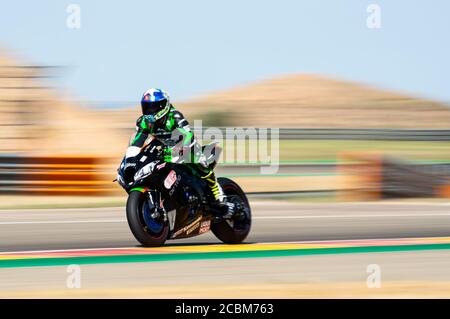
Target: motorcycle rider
161 120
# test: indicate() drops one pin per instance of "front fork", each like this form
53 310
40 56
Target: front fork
154 200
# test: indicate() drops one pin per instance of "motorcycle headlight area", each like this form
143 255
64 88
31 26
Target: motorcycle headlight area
120 179
144 171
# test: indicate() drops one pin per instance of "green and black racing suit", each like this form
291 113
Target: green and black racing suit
173 130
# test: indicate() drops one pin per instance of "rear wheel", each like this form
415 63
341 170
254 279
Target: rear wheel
235 230
149 231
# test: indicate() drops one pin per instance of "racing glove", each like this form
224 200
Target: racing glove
174 154
167 154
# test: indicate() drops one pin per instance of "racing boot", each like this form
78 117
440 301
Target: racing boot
218 198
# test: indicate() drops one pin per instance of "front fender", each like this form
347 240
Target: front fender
139 189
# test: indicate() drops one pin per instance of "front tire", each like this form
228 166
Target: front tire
150 233
234 231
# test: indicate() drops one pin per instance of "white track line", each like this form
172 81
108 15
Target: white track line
362 215
64 222
359 216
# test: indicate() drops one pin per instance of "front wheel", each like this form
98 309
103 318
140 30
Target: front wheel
149 231
233 231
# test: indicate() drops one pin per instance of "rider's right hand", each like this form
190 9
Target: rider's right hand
166 154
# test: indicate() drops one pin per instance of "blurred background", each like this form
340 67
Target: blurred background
359 91
356 90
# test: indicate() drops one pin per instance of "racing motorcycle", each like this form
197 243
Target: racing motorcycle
170 201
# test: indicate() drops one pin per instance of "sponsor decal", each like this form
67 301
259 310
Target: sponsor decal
204 226
189 228
170 179
161 165
175 185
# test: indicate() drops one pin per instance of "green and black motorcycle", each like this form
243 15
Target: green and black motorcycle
170 201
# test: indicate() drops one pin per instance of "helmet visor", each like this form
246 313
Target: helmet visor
151 108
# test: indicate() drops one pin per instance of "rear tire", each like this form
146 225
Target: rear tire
238 231
148 236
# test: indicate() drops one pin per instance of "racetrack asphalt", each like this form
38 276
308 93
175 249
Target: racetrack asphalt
275 221
414 273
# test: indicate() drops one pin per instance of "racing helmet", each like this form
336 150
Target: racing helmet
155 104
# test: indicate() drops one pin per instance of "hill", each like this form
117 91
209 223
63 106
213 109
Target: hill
309 101
34 119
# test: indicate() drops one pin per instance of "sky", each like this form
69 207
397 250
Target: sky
198 46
